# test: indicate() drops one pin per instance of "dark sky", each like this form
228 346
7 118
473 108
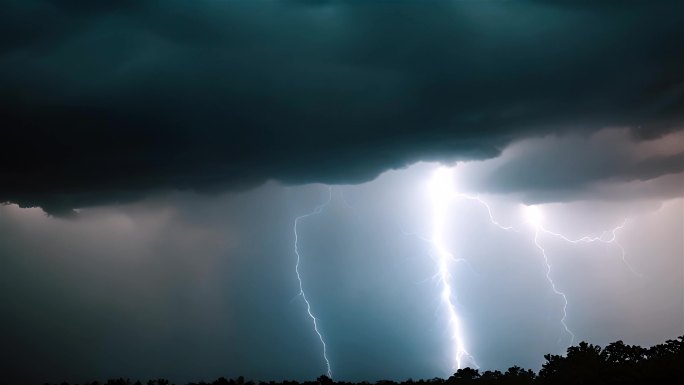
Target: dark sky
107 101
154 156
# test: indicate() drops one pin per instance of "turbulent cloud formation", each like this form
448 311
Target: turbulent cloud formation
107 101
607 165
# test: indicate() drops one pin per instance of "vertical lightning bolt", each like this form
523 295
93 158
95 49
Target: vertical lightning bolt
302 294
441 195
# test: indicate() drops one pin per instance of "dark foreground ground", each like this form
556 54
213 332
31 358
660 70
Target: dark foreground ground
585 363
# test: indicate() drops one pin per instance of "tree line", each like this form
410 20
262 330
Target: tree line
617 363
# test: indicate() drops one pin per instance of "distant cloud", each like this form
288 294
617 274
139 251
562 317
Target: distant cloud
603 165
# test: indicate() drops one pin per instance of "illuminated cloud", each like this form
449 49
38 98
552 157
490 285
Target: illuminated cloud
609 164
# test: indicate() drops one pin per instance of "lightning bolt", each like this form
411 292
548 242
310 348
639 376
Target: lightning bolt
611 239
442 193
481 201
537 229
535 218
441 196
301 293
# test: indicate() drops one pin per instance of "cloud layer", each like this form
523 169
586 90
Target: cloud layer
607 165
109 101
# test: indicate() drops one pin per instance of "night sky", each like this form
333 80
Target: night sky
527 155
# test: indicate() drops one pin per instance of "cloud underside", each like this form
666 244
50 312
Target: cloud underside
606 165
111 101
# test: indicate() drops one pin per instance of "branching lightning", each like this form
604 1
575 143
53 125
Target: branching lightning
534 217
442 193
316 211
489 210
606 237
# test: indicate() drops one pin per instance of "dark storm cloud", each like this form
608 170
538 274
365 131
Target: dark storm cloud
107 101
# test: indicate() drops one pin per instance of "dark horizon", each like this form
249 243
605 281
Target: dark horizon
617 363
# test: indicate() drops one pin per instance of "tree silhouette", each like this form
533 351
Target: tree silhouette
324 380
516 375
464 376
581 365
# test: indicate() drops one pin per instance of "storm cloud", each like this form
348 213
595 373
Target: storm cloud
110 101
606 165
